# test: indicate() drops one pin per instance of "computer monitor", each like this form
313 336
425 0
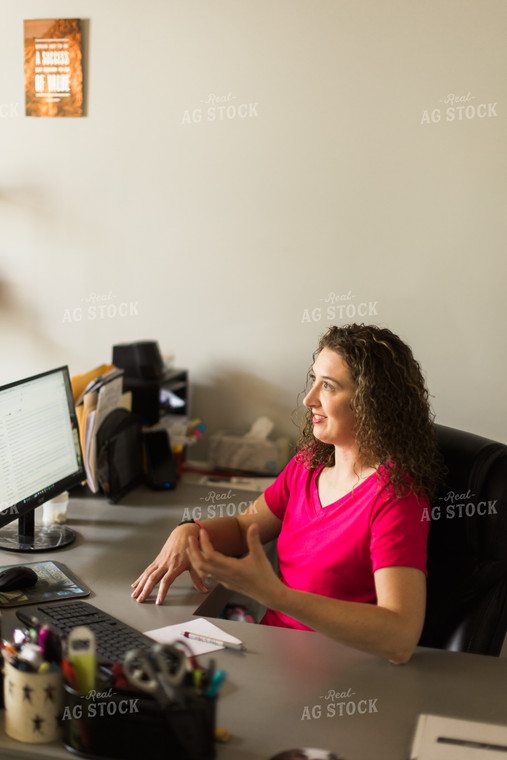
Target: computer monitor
40 458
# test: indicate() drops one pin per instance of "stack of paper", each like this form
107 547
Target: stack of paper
102 394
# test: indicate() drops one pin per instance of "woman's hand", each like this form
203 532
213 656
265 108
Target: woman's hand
252 575
227 533
167 566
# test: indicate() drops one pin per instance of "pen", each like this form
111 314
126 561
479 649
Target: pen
216 642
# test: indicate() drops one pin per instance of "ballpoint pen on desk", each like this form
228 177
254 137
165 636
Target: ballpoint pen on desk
238 646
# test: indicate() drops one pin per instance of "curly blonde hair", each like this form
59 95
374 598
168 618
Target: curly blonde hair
394 423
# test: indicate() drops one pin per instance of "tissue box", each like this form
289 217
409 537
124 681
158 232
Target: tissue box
235 452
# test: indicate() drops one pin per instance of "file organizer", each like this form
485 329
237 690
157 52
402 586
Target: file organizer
131 724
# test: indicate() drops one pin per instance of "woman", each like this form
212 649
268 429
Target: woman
347 510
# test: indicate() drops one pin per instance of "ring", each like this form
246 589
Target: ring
208 578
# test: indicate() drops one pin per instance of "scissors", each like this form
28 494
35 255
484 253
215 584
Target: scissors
151 671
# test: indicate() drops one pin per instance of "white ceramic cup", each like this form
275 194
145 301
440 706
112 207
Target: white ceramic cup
55 510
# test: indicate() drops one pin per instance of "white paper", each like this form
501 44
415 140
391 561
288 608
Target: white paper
90 451
440 738
172 633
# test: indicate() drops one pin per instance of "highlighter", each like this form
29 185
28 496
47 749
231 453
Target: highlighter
81 655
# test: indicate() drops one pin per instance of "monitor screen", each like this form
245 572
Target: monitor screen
40 457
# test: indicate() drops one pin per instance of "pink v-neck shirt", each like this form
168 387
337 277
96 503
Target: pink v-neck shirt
334 550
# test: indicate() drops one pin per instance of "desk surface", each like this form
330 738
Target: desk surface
289 688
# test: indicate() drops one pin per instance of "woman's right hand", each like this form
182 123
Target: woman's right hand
171 561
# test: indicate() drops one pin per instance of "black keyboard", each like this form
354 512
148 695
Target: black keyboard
112 637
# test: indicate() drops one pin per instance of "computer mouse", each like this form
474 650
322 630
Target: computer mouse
18 577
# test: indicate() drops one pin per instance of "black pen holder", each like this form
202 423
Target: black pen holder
128 724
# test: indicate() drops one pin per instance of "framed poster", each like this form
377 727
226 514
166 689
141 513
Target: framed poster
53 67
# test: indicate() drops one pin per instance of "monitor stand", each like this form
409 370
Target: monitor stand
23 536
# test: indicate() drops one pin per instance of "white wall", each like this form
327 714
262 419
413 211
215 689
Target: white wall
225 236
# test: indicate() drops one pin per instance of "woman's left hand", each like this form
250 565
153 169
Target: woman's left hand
252 575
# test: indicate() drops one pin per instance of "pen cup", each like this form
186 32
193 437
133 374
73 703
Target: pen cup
33 705
118 723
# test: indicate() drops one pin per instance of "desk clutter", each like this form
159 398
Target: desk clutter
133 421
33 686
57 687
254 452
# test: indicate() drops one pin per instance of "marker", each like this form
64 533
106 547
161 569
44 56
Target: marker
216 642
81 655
216 683
69 674
50 644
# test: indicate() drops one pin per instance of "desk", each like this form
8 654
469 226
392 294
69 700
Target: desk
279 694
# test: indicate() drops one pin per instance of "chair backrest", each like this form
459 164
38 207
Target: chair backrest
467 547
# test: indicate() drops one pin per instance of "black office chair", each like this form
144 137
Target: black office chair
467 548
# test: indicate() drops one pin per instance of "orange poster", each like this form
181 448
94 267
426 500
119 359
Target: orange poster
53 67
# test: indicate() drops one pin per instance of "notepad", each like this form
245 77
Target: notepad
440 738
171 633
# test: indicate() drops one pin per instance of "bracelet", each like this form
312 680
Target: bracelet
197 522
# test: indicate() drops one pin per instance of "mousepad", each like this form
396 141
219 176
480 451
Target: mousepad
55 582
